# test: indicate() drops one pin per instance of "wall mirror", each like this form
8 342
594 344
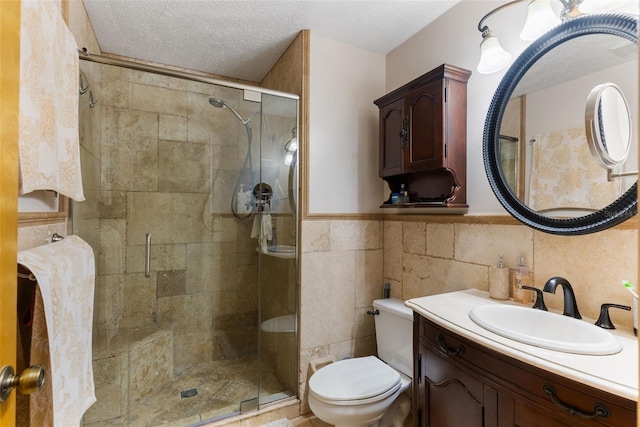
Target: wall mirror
609 125
554 184
42 207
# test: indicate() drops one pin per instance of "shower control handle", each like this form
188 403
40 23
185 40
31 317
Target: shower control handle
147 257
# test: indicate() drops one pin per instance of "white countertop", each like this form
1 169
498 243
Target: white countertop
616 373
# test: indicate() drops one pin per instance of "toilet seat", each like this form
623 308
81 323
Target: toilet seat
355 381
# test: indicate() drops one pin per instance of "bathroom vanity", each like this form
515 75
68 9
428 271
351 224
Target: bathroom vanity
465 375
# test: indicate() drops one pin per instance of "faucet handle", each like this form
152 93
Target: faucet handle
539 304
604 321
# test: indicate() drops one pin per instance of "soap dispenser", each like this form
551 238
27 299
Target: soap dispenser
499 281
521 277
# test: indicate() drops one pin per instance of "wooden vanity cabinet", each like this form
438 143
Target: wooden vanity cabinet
423 137
459 383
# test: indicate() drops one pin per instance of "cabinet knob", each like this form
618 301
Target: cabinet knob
404 133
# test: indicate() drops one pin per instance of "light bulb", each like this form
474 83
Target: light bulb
292 145
492 56
540 19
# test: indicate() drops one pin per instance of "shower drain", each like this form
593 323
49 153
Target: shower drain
184 394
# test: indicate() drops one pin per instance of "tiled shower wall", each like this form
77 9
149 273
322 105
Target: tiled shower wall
167 162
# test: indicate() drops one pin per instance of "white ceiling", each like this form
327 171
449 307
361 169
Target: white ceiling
243 39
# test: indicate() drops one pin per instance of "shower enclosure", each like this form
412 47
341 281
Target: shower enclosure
191 209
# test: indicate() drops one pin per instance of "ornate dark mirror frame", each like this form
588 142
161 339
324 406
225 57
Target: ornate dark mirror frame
625 206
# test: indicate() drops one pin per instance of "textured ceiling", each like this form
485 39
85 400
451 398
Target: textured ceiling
244 39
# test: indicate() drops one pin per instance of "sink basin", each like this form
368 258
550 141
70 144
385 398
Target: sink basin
545 329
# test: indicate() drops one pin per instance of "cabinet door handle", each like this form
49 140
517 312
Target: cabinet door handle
448 350
598 409
404 133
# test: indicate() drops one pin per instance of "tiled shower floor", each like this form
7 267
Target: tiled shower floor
221 386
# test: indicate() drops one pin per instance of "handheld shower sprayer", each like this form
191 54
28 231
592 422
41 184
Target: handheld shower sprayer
219 103
245 176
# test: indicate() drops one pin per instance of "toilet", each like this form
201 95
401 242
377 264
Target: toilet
358 392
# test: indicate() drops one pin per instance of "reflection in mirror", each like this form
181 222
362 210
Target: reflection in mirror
560 178
509 155
608 125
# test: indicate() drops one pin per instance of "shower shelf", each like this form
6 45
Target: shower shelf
280 251
286 323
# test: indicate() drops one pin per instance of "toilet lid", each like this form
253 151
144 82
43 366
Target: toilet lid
354 379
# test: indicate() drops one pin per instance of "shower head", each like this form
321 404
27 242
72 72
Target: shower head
216 102
219 103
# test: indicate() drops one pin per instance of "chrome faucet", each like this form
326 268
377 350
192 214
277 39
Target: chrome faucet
570 305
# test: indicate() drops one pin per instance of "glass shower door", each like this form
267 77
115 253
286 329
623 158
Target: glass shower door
162 160
278 263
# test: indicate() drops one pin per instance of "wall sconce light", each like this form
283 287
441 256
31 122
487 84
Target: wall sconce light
540 19
291 147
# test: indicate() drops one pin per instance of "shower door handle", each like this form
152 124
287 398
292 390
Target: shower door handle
147 257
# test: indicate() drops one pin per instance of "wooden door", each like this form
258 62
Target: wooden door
9 84
424 107
391 139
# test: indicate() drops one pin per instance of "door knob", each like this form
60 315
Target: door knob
29 381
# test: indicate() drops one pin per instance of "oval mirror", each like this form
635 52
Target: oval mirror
535 149
608 125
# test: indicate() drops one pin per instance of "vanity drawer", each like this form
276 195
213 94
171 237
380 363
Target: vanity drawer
541 391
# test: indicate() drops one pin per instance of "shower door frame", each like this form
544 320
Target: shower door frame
85 55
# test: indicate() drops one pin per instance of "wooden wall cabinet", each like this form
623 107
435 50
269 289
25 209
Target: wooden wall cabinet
461 383
423 138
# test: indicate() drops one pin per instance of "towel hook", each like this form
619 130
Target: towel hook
83 88
92 103
30 277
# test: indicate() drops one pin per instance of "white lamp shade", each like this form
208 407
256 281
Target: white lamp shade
492 56
595 6
540 19
292 145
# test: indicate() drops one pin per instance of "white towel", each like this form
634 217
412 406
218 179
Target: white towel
65 272
49 144
261 230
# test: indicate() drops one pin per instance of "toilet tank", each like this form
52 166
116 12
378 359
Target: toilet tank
394 334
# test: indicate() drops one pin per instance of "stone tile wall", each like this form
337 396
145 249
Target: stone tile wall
167 161
341 275
441 257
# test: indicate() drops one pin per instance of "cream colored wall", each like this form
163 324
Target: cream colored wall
343 128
